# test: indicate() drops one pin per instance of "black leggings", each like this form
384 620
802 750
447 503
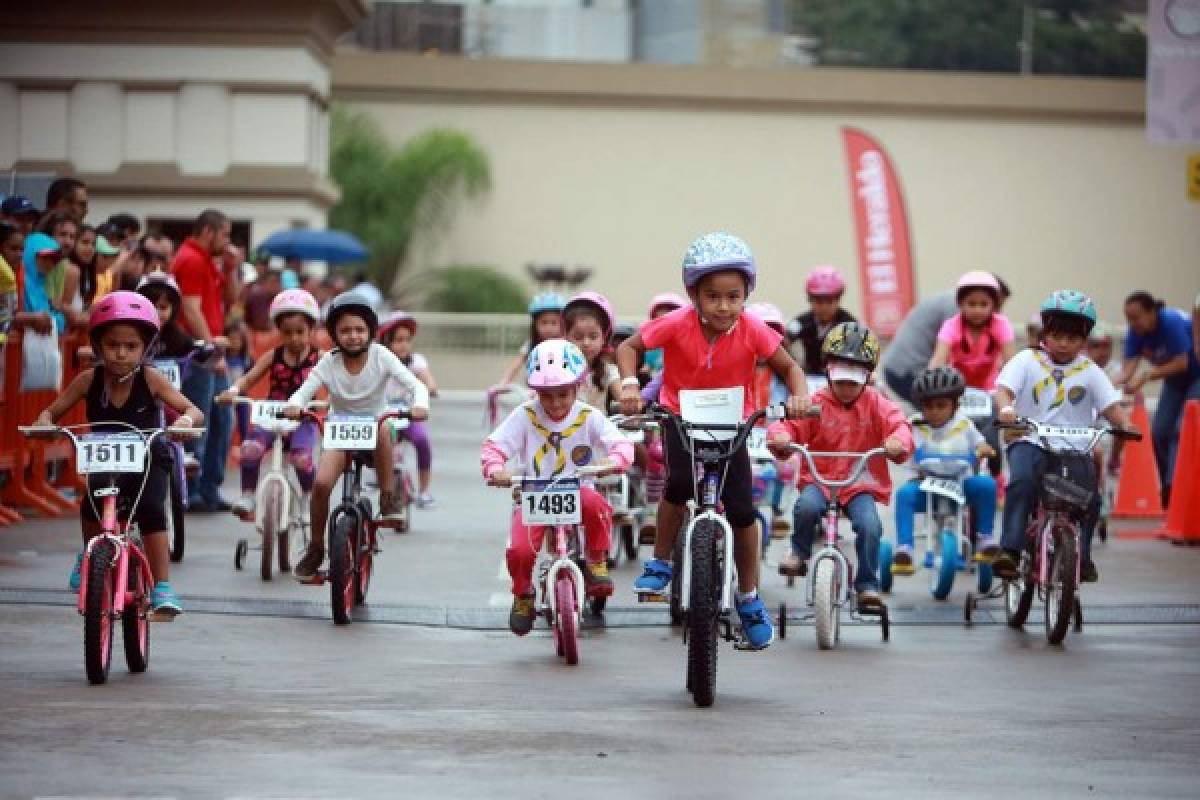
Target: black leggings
151 513
739 507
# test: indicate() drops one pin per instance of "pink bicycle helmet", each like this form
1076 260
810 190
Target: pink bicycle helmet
130 308
597 301
397 319
295 301
825 281
770 314
665 299
978 279
555 363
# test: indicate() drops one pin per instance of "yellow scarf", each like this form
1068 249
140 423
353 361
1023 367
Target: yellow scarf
553 439
1055 375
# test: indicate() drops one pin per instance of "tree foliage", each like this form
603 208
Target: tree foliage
393 198
1071 37
465 287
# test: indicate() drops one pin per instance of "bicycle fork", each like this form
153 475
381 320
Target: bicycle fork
562 562
685 588
830 550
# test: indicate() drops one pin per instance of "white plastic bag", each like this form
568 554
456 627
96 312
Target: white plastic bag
41 361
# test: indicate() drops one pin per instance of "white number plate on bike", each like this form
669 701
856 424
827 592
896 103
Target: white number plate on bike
265 413
976 403
110 452
944 487
756 445
349 432
551 503
170 371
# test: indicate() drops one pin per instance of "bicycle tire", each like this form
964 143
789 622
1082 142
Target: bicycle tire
342 547
97 614
282 543
1060 593
176 517
825 598
365 568
1018 596
270 511
676 602
703 612
945 565
566 619
135 625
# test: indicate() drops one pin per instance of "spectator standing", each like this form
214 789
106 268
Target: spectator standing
69 195
83 258
257 304
127 229
19 212
208 286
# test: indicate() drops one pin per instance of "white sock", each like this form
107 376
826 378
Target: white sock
743 597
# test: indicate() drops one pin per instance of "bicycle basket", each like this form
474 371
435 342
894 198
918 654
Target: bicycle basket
1068 485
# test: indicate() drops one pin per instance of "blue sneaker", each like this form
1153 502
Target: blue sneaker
164 601
76 578
928 559
655 578
756 624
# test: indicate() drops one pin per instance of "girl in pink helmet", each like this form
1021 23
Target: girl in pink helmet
588 323
553 434
825 287
396 333
120 388
978 340
295 314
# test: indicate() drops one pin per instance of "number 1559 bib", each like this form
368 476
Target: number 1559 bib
349 432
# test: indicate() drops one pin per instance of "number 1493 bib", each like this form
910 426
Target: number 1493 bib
547 503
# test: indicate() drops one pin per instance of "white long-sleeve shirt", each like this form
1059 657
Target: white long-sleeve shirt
364 393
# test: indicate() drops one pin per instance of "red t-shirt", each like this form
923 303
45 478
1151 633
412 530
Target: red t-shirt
692 362
198 275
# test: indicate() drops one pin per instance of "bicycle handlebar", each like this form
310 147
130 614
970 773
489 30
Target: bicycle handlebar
1044 431
517 481
148 434
859 465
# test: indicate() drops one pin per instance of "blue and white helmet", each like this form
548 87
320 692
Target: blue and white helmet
716 252
546 301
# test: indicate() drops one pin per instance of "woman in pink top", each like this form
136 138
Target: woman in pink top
978 340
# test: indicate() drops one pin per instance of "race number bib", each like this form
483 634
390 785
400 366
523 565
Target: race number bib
110 452
170 370
756 445
945 487
547 503
350 432
976 403
265 413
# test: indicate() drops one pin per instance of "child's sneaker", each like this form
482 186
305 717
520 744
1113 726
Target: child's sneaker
389 506
869 600
655 577
520 619
793 565
76 579
986 549
424 500
164 602
902 561
308 565
599 584
1004 565
756 623
244 507
780 526
1089 573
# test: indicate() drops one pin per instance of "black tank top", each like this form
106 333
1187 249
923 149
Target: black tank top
140 409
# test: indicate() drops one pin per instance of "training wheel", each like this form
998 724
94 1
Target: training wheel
1078 615
885 624
783 620
239 553
968 608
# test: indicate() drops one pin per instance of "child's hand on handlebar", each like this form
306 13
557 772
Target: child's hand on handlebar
292 412
1007 415
43 420
895 449
500 478
631 400
797 406
226 397
984 450
779 445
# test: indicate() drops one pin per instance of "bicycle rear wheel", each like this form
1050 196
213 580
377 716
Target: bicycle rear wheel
676 603
135 624
567 619
702 614
1060 591
97 613
177 496
343 545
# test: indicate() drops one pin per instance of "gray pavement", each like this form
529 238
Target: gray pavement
254 692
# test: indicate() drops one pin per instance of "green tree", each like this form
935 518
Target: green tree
466 287
1073 37
393 197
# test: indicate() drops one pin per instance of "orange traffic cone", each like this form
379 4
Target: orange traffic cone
1138 492
1183 517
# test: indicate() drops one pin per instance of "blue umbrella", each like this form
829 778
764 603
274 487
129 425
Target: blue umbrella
335 247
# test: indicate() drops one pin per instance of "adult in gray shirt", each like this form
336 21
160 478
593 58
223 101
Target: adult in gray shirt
912 347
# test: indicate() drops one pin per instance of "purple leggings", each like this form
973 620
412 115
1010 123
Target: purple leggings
419 436
299 445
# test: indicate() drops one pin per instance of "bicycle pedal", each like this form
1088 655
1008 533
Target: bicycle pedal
161 616
316 580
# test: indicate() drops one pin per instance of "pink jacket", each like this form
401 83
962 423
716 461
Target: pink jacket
864 425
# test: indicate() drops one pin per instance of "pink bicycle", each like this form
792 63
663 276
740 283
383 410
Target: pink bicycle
115 573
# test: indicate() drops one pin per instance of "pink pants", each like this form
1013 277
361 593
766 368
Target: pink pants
525 542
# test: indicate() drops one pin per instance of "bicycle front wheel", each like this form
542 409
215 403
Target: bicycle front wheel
270 530
343 547
702 614
135 623
567 619
826 595
1060 591
97 613
176 517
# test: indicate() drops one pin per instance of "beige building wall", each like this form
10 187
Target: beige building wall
1048 182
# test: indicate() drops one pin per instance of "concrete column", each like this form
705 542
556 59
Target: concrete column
202 129
96 130
10 126
42 116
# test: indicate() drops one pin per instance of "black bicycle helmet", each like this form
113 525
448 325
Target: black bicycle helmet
853 342
347 302
944 381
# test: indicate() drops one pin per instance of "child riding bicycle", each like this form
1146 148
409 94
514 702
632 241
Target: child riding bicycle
397 333
854 418
295 314
120 388
356 375
552 435
711 344
943 431
1057 385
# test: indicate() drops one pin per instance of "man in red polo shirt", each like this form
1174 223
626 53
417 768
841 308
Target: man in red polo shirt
208 288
